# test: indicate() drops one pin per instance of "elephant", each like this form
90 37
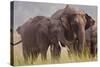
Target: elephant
39 35
91 40
66 25
28 48
76 22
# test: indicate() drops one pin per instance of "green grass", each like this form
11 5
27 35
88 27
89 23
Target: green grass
63 59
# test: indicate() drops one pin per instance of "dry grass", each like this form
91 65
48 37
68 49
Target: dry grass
19 60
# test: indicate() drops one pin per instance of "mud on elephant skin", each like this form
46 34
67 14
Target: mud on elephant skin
76 21
38 36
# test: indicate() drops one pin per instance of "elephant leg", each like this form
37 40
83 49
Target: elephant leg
43 51
74 46
26 54
29 53
93 49
55 51
35 54
44 54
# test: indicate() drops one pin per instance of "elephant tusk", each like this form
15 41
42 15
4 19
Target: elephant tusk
59 43
65 48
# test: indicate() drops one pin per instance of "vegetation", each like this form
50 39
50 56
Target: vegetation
65 58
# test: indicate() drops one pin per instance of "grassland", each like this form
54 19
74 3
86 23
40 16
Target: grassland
19 60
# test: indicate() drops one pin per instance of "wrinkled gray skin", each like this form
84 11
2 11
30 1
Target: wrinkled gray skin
91 39
37 36
75 21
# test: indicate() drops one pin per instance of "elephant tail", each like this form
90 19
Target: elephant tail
14 44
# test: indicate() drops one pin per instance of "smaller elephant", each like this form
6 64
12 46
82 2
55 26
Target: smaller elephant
38 35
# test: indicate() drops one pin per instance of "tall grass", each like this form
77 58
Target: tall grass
65 58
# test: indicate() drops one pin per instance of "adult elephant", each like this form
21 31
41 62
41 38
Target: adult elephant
76 21
91 40
39 35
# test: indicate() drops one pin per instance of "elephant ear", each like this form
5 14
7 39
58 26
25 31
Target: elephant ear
90 21
65 22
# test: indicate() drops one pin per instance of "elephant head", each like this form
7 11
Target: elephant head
74 13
